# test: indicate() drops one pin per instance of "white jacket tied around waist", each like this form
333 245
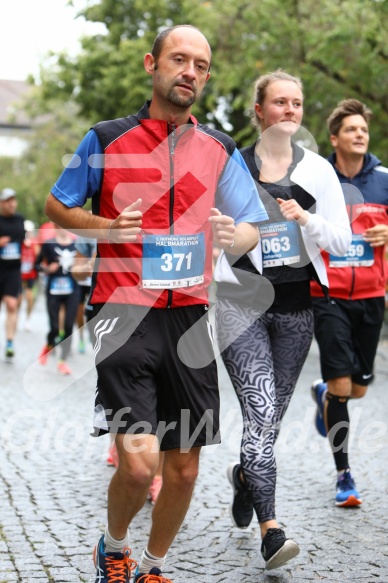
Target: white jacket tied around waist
327 226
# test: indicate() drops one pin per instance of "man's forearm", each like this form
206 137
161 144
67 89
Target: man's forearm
77 219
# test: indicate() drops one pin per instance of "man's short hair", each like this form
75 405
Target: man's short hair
161 37
345 108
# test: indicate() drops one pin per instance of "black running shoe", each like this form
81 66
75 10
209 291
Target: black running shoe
241 508
276 549
9 353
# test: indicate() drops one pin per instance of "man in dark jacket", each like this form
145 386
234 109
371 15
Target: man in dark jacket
348 331
12 235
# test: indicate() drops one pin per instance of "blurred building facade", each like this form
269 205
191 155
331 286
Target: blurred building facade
15 127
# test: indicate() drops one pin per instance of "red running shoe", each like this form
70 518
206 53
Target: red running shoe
44 354
63 368
155 488
113 457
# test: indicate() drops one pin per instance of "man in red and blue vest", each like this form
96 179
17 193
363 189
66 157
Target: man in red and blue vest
164 188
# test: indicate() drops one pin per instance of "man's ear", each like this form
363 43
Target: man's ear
149 63
333 140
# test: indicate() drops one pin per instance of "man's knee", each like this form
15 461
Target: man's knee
341 386
358 391
182 467
11 304
138 459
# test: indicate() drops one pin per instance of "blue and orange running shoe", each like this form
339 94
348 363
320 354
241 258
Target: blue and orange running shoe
112 567
154 576
318 393
347 495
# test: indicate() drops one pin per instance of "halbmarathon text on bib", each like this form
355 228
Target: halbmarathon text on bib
173 261
359 254
280 243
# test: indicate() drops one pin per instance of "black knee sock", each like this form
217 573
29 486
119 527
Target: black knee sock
338 415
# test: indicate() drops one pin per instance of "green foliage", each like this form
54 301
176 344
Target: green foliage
57 130
337 47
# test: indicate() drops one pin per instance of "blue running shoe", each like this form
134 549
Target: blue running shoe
318 393
112 567
347 494
154 576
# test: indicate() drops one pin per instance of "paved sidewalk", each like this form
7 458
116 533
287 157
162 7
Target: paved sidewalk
53 482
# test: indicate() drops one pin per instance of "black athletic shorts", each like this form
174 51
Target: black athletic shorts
10 282
29 283
84 292
152 377
348 334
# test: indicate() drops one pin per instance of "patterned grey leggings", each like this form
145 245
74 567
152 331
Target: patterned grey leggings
264 355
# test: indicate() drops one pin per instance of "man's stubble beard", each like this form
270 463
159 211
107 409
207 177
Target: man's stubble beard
181 101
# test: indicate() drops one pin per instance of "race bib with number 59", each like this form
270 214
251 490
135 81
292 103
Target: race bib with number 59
359 254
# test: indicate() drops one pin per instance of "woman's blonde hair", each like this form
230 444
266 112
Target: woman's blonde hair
260 89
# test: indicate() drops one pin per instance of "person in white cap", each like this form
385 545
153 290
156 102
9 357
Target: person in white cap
12 234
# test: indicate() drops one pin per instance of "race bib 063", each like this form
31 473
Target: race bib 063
280 243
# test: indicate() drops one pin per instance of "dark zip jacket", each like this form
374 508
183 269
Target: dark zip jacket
362 273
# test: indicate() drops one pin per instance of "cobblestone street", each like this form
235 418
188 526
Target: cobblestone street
54 478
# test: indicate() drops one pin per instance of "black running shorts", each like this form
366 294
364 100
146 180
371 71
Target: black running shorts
84 292
348 333
152 377
10 282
